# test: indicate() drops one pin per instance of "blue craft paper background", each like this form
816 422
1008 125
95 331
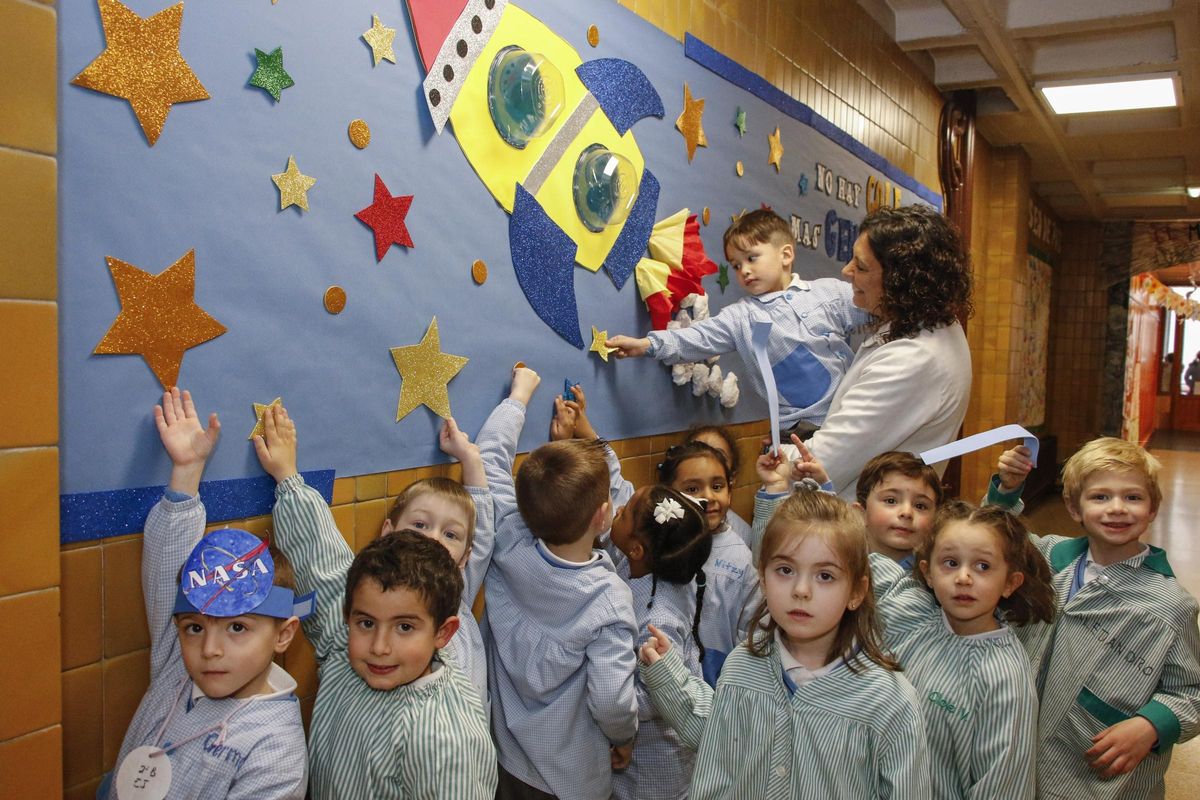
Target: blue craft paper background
262 272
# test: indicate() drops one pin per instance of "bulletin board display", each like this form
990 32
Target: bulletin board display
256 203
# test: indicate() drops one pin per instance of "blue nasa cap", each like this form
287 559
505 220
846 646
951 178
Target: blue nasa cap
230 572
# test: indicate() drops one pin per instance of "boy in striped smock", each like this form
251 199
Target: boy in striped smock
1118 673
391 720
220 718
898 494
659 542
810 706
459 515
560 621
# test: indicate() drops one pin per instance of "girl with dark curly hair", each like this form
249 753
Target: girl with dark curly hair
908 386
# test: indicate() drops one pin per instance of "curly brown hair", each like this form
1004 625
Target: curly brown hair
926 270
1033 600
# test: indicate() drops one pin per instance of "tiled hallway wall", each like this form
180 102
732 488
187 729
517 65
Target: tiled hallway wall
1079 307
826 53
31 736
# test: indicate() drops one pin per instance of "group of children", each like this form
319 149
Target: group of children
649 643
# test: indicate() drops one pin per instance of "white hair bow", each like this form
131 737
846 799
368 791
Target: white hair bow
667 509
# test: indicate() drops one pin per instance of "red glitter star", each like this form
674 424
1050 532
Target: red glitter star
385 216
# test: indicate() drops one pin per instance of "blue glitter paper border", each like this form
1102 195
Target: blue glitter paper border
97 515
735 73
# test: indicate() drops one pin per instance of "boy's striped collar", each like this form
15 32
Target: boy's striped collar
1064 554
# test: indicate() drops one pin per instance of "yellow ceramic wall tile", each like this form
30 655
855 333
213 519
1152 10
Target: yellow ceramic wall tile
124 612
368 519
83 724
301 663
28 518
29 671
27 237
125 679
81 598
28 66
261 526
31 766
637 470
343 517
29 417
343 491
453 471
370 487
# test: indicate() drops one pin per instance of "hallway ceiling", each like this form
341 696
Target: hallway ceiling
1101 166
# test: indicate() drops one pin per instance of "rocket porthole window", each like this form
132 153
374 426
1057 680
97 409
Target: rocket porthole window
605 187
525 95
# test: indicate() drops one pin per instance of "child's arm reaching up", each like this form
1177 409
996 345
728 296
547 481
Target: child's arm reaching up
457 444
1006 485
684 700
306 533
176 522
571 422
498 449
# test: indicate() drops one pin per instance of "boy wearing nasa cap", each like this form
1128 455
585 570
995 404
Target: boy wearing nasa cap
219 717
394 716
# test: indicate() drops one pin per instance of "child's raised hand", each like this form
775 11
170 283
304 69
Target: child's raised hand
565 419
1014 466
773 470
187 443
1121 747
276 449
457 444
185 440
654 648
807 466
524 382
627 346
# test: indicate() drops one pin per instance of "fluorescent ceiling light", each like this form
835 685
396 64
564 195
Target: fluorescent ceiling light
1155 91
1193 192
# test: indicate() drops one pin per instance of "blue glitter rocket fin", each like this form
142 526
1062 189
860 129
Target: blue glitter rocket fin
630 245
623 91
544 259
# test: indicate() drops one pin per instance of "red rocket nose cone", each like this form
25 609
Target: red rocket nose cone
432 21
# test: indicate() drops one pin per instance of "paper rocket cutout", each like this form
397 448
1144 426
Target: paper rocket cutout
141 63
425 372
386 216
689 124
674 270
159 318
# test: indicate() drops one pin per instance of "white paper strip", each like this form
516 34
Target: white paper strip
981 440
760 332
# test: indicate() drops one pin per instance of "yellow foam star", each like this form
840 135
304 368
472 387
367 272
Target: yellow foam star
598 339
293 186
141 63
159 318
260 410
380 39
425 372
689 123
773 139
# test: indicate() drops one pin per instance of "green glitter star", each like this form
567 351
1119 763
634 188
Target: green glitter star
269 74
739 121
723 277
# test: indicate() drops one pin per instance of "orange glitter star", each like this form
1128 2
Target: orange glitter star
141 63
159 317
688 123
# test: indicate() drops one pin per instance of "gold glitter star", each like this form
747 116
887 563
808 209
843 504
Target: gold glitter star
159 318
776 149
689 125
380 39
293 186
141 63
425 372
259 411
598 339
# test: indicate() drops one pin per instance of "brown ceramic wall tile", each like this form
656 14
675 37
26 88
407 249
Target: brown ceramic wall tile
125 679
82 791
368 519
29 417
343 517
27 237
343 491
28 518
83 723
82 625
28 66
30 765
124 611
301 663
370 487
29 671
